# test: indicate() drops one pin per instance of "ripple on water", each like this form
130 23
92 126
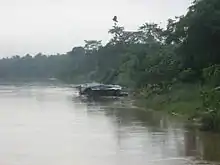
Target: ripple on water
51 125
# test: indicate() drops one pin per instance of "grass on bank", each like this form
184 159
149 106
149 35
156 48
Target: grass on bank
180 99
190 101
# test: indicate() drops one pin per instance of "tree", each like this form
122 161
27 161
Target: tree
92 45
151 32
198 33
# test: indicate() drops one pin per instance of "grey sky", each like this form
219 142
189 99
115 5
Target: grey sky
55 26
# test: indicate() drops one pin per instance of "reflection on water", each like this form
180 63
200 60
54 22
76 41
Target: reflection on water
51 125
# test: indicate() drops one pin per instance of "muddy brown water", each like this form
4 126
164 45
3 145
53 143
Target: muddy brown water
50 125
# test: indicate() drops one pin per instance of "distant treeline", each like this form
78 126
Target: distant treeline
186 50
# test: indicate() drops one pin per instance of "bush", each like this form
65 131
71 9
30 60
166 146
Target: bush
187 75
211 110
211 75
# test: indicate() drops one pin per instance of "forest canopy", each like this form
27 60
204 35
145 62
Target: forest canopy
186 50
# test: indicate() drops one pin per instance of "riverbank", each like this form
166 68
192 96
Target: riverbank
198 104
181 99
189 101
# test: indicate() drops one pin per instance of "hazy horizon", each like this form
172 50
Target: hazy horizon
55 26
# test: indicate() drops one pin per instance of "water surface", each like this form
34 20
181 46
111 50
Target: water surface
49 125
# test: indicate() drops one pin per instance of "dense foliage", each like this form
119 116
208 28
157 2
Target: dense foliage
151 59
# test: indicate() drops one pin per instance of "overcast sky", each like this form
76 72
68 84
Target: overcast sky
56 26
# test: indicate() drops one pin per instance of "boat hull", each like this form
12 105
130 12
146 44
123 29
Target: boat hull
99 93
101 90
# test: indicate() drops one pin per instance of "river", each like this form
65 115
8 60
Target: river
43 124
